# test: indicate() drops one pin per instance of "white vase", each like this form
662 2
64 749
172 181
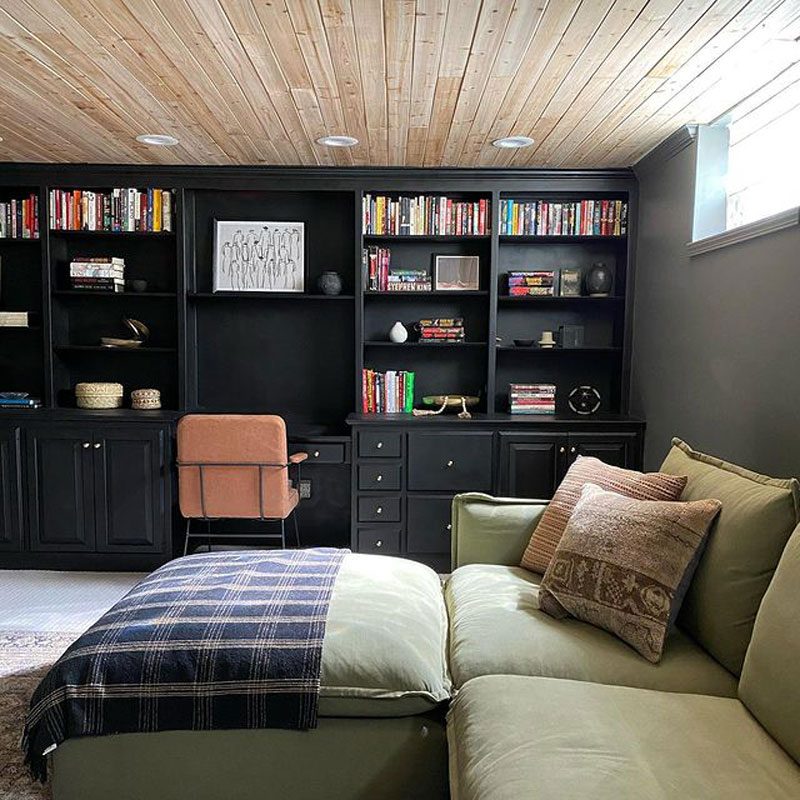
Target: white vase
398 333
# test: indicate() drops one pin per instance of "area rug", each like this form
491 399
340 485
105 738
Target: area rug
24 659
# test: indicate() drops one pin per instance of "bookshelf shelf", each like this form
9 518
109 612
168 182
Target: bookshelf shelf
378 237
97 348
441 295
268 296
126 295
510 239
425 345
112 234
19 240
507 300
550 351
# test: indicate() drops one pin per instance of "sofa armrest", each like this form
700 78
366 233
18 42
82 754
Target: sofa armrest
492 530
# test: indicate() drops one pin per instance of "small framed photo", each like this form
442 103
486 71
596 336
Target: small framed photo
259 256
570 283
456 273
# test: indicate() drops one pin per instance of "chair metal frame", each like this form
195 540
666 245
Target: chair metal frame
260 466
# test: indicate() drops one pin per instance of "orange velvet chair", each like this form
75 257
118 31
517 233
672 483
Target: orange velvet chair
235 466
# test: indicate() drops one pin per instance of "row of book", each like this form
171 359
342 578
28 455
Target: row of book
424 215
532 398
132 210
579 218
532 283
381 276
98 274
441 329
389 392
19 219
14 319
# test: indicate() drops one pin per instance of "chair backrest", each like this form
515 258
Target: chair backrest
770 684
232 491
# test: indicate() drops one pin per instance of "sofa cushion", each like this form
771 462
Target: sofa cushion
624 565
512 737
758 515
770 684
384 652
496 627
639 485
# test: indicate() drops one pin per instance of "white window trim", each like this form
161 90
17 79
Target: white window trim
761 227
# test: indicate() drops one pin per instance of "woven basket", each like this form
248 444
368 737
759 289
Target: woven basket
98 395
144 399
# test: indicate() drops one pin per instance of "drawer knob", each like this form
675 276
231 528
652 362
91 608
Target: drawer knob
449 527
378 445
87 445
379 543
572 449
562 449
450 463
316 454
97 445
379 478
379 510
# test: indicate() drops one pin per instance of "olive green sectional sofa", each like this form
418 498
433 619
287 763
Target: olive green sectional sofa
549 708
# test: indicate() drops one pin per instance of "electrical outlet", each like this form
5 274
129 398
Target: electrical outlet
305 489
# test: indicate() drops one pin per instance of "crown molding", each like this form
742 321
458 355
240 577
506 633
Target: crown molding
670 147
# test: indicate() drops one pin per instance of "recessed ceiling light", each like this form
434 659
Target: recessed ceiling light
513 141
157 139
337 140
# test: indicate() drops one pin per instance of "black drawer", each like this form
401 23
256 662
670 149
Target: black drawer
450 462
385 477
378 509
428 525
377 444
320 452
376 540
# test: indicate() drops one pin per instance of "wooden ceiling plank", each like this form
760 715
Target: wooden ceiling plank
399 21
612 30
462 18
431 16
20 132
676 74
309 30
486 43
372 67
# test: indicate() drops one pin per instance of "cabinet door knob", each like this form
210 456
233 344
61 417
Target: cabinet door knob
449 527
379 478
97 445
87 445
572 449
378 445
562 449
379 510
450 463
316 454
379 543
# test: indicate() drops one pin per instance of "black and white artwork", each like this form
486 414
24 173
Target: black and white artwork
259 256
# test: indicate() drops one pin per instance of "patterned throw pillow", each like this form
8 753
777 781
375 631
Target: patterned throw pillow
627 482
624 565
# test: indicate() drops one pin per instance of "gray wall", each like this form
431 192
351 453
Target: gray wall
715 337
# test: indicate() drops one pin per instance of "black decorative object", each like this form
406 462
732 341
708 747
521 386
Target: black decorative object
599 280
330 283
584 400
570 336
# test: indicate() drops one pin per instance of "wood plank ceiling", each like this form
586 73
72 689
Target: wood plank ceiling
419 82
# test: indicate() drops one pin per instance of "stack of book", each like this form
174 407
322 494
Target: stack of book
441 329
579 218
19 219
103 274
424 215
149 210
387 392
535 283
19 400
14 319
532 398
381 276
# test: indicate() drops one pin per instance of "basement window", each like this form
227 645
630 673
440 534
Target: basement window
748 168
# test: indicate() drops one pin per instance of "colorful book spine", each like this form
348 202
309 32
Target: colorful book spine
592 217
129 210
19 219
424 215
390 392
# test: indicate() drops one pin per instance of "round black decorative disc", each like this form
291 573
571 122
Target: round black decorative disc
584 400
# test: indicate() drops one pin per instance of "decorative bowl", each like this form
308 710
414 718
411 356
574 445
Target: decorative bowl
523 342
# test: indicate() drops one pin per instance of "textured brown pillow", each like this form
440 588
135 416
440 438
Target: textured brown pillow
624 565
627 482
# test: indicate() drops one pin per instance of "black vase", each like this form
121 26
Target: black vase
330 283
599 280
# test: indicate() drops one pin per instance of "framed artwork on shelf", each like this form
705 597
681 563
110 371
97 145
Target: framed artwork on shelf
570 282
456 273
259 256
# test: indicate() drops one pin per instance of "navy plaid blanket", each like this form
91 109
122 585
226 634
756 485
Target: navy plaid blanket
211 641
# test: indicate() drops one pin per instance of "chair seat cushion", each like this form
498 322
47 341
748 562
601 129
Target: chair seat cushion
497 628
511 737
385 646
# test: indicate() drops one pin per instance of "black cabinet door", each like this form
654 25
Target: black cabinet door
531 464
10 490
620 448
60 489
450 462
131 513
